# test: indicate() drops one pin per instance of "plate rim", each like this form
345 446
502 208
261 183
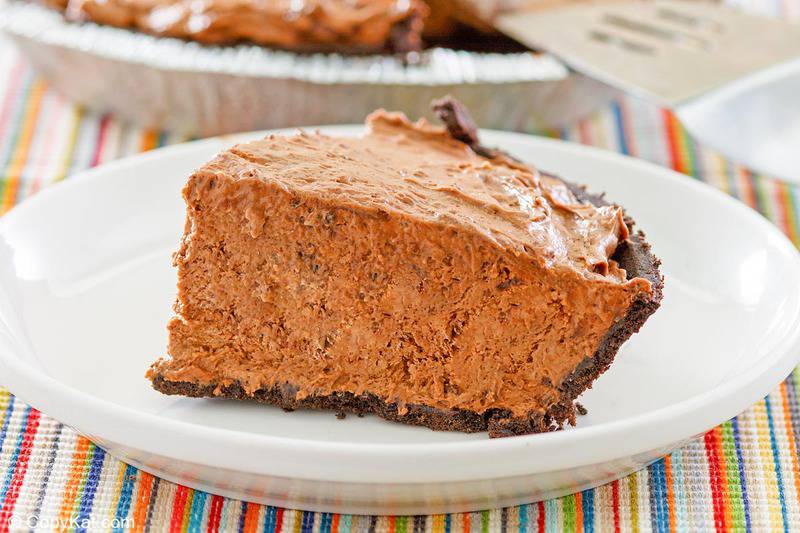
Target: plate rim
760 379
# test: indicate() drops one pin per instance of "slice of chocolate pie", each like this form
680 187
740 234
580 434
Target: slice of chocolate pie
410 273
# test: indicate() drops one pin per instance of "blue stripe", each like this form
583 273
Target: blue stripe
620 128
325 522
196 511
523 518
587 503
447 523
777 461
307 522
270 519
6 420
90 487
659 514
737 443
15 456
124 503
242 516
551 516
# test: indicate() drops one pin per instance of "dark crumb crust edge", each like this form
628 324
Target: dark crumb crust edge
633 255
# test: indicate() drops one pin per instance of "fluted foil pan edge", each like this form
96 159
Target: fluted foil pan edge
206 90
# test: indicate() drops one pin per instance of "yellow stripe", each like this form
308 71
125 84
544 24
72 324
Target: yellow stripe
5 398
634 494
22 149
187 509
116 490
768 476
437 525
72 140
298 521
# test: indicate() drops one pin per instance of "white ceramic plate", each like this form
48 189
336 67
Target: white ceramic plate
86 288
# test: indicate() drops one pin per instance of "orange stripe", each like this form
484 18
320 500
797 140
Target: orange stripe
22 150
251 518
73 481
747 188
47 144
149 140
670 492
334 524
466 523
139 514
578 511
787 420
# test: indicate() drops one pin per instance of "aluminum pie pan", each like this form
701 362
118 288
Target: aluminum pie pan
204 90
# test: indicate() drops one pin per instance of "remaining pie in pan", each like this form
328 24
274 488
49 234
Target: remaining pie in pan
356 26
410 273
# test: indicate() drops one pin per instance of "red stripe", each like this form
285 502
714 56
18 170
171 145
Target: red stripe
584 132
214 514
615 503
101 140
12 92
176 520
714 481
540 517
279 520
19 470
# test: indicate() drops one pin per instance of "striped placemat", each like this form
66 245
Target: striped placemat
742 475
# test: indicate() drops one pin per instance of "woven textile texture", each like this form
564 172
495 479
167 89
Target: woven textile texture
742 475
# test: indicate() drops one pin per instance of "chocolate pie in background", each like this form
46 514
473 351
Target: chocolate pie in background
345 26
410 273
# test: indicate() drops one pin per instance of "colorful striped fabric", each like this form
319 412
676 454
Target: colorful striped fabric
742 475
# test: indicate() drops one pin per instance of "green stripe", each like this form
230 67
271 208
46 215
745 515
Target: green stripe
687 153
791 207
568 506
400 524
485 522
732 470
762 197
730 177
76 506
